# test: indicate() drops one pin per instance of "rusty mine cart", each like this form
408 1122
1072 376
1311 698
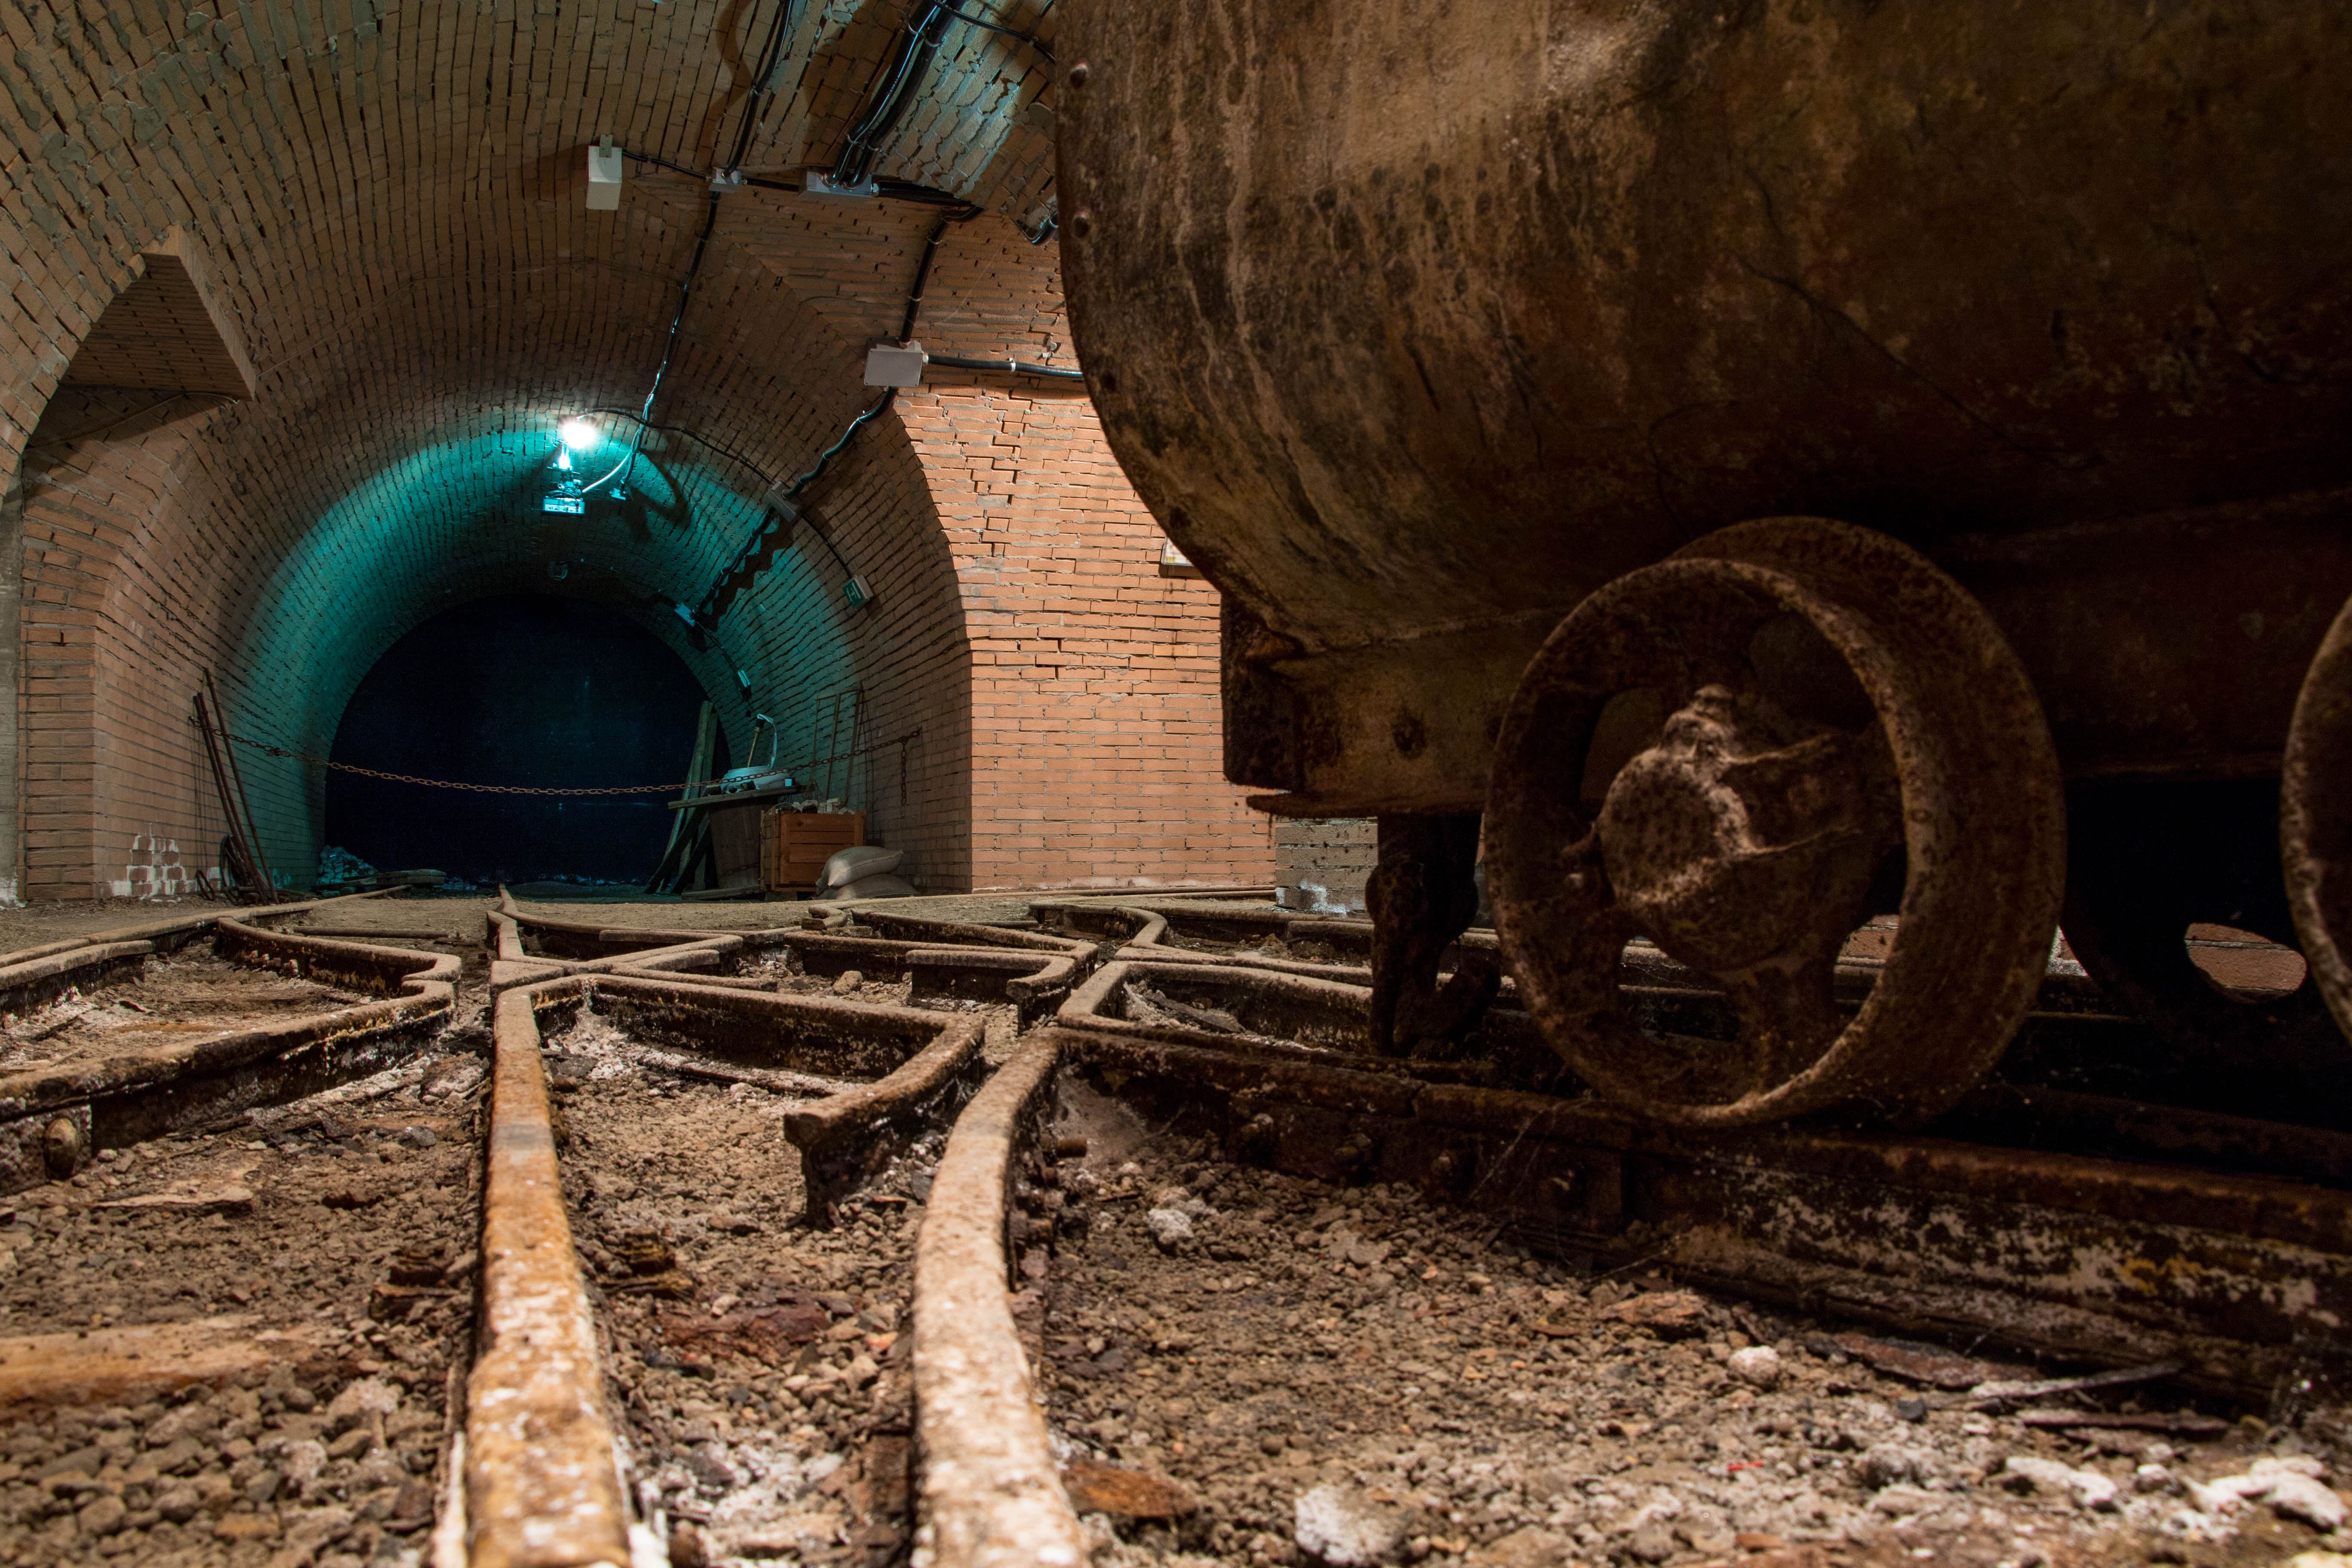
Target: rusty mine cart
1782 465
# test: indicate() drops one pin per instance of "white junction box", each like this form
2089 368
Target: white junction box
895 364
605 178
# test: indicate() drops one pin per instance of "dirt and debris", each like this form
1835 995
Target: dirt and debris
759 1367
350 1216
187 995
1354 1376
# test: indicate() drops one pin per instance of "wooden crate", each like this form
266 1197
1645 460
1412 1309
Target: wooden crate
795 845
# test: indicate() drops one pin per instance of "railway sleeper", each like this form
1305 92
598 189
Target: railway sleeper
53 1117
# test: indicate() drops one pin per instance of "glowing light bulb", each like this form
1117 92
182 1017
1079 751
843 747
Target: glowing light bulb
578 434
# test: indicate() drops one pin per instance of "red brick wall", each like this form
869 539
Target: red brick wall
1096 745
111 798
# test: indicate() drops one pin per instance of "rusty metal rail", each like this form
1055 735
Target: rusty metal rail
947 963
2224 1241
989 1493
542 1483
52 1119
2066 1223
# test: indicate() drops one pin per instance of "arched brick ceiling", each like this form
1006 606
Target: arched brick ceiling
338 161
393 205
389 204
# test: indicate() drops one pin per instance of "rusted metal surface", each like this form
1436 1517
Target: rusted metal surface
813 1033
1297 1010
2243 1275
383 970
989 1493
952 965
954 933
1722 753
1269 1018
2315 824
1136 919
118 1100
1523 295
506 974
2104 1127
504 938
2173 646
951 962
1492 334
846 1138
542 1481
1035 984
19 970
31 983
1422 897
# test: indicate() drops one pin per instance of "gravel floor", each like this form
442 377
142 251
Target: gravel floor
1353 1374
759 1367
1239 1367
351 1215
349 1218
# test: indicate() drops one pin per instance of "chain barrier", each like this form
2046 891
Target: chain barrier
269 750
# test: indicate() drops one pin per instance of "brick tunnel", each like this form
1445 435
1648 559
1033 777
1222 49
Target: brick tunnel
297 306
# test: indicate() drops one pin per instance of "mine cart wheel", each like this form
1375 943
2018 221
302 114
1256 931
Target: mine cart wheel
1723 753
2145 858
2315 817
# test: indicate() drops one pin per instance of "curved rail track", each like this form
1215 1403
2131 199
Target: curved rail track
1109 1237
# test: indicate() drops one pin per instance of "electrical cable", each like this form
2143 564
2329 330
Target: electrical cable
1028 38
893 91
764 85
692 434
923 279
662 163
687 787
1011 366
791 493
670 346
928 196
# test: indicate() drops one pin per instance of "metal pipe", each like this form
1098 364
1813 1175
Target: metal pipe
1010 366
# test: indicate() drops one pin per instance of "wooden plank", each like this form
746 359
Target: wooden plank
697 768
113 1366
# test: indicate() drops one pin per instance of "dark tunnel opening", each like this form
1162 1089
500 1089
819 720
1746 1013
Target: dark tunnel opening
521 690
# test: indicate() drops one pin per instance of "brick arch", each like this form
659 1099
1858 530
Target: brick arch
331 158
190 546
